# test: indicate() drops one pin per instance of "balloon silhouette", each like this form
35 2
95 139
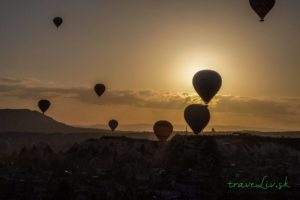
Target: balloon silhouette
262 7
207 83
113 124
44 105
197 117
163 129
99 89
57 21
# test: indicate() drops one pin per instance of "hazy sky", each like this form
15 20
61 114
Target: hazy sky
146 53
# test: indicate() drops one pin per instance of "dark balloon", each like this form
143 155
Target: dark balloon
163 129
113 124
99 89
57 21
197 117
207 83
44 105
262 7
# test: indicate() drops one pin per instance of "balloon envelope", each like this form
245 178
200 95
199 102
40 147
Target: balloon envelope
44 105
207 83
113 124
163 129
57 21
262 7
197 117
99 89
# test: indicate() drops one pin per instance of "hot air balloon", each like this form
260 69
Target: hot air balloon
163 129
44 105
57 21
207 83
113 124
262 7
197 117
99 89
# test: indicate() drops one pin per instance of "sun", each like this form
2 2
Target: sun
190 72
186 74
186 65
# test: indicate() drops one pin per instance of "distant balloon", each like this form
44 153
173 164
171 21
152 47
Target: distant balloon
262 7
207 83
197 117
57 21
44 105
99 89
163 129
113 124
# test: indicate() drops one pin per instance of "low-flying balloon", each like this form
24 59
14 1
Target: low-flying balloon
57 21
197 117
113 124
44 105
262 7
99 89
163 129
207 83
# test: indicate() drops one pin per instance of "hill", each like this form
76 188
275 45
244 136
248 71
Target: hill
23 120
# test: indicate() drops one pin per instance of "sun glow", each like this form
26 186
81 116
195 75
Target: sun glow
186 74
193 61
189 73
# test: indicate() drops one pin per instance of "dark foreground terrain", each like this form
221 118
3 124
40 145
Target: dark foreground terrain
186 167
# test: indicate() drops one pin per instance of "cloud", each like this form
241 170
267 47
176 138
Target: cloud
33 90
263 107
146 98
26 82
255 106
